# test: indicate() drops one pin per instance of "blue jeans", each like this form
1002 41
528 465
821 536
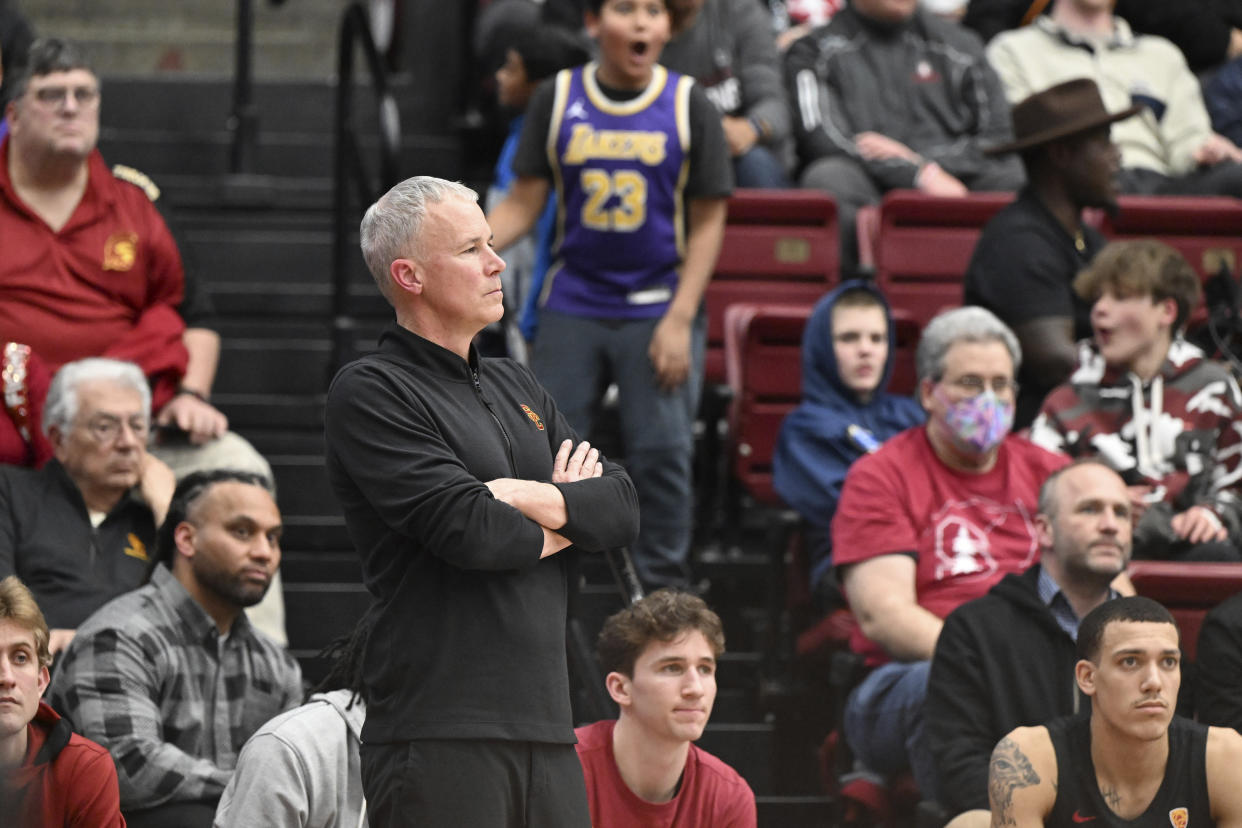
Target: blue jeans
576 358
884 723
759 167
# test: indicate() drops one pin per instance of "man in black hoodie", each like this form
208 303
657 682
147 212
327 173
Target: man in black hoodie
1007 659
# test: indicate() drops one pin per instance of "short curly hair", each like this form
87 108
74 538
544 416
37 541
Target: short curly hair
664 615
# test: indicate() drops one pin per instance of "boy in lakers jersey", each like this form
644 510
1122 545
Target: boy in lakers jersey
641 170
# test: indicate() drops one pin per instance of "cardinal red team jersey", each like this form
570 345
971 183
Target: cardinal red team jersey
711 795
966 531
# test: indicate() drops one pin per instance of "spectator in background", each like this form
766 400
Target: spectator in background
728 47
301 769
1209 32
1152 406
1169 148
71 226
794 19
933 519
1006 660
49 775
1025 261
638 159
952 10
172 678
1219 661
90 269
78 530
848 349
537 53
660 655
891 96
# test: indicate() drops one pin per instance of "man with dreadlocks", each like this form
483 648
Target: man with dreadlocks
301 769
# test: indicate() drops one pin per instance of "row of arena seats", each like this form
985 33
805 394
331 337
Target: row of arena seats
782 247
919 246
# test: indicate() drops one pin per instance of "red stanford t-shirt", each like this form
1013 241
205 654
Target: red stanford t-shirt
712 794
967 531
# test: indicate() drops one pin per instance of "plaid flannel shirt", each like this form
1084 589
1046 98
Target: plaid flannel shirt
149 677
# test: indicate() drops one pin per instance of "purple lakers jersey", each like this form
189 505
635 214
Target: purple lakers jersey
620 169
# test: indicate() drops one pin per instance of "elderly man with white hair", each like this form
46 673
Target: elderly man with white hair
78 531
934 518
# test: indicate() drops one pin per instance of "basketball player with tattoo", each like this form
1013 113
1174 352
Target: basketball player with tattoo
1131 762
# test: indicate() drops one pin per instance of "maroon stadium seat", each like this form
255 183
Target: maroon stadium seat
923 246
1188 590
780 246
763 366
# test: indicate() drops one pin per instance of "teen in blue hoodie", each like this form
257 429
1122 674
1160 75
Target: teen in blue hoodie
847 360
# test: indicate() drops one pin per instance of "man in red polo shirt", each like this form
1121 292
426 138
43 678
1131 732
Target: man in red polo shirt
89 267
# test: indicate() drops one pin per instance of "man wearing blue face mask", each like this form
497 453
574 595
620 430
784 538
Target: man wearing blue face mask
933 519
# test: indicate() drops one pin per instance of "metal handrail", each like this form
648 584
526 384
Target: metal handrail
348 167
244 119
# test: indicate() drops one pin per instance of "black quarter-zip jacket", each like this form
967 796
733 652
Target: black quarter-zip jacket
469 637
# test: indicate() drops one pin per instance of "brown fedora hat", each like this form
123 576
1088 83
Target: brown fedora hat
1061 110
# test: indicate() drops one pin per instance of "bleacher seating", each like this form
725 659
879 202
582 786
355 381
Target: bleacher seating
763 367
780 246
1206 230
1188 590
922 245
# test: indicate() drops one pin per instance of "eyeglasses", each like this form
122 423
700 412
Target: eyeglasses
55 96
106 428
973 385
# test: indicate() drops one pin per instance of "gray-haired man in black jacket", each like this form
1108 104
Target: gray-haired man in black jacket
463 490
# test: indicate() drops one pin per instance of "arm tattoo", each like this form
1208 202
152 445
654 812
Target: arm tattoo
1010 770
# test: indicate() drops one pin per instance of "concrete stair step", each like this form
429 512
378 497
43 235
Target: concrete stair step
748 748
274 366
158 152
317 534
147 36
303 567
811 811
318 613
302 484
260 409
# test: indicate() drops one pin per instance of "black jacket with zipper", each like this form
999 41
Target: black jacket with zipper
469 639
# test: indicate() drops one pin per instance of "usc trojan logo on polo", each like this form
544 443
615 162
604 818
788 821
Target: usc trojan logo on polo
136 549
120 250
587 143
534 418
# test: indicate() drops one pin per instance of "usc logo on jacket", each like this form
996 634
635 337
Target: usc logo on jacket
534 418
